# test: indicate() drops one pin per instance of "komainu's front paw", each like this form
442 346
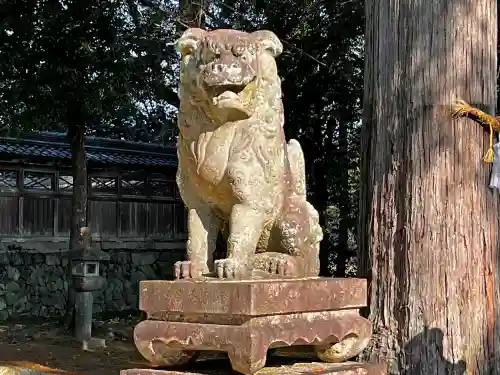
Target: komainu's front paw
277 264
187 270
231 268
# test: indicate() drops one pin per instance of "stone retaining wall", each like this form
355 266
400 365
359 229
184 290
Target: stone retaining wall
33 283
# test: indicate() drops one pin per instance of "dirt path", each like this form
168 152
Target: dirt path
43 346
44 356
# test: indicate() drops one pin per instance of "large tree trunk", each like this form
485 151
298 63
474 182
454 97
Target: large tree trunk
428 221
76 136
498 60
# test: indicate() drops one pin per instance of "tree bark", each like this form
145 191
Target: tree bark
428 220
76 136
80 184
498 60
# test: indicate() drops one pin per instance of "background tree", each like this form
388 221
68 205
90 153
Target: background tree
114 59
428 221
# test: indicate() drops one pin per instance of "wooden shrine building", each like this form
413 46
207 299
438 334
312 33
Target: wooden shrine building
133 197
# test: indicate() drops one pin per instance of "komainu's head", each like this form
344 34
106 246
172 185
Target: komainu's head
227 68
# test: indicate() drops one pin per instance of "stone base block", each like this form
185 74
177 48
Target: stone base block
348 368
247 318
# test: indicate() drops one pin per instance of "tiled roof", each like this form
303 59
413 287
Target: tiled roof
99 150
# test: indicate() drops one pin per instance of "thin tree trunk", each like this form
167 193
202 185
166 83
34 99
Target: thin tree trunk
343 251
76 136
80 183
192 13
428 221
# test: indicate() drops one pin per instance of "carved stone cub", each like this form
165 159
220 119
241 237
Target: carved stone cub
236 172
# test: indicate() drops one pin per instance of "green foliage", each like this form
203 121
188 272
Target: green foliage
105 65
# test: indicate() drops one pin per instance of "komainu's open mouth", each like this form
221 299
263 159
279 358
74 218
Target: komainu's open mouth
218 90
228 89
232 101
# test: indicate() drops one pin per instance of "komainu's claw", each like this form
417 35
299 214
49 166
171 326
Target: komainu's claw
186 270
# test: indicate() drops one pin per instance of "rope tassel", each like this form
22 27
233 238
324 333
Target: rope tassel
489 157
462 109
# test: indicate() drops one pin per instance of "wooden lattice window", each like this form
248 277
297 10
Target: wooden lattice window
162 188
38 181
132 186
8 180
103 185
65 183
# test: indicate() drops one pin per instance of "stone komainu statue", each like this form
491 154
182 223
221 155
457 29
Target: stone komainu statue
236 172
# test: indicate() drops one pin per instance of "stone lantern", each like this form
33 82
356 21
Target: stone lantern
85 279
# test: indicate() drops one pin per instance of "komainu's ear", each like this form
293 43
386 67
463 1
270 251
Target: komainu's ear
189 41
269 41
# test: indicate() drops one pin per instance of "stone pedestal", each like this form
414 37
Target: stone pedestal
246 318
